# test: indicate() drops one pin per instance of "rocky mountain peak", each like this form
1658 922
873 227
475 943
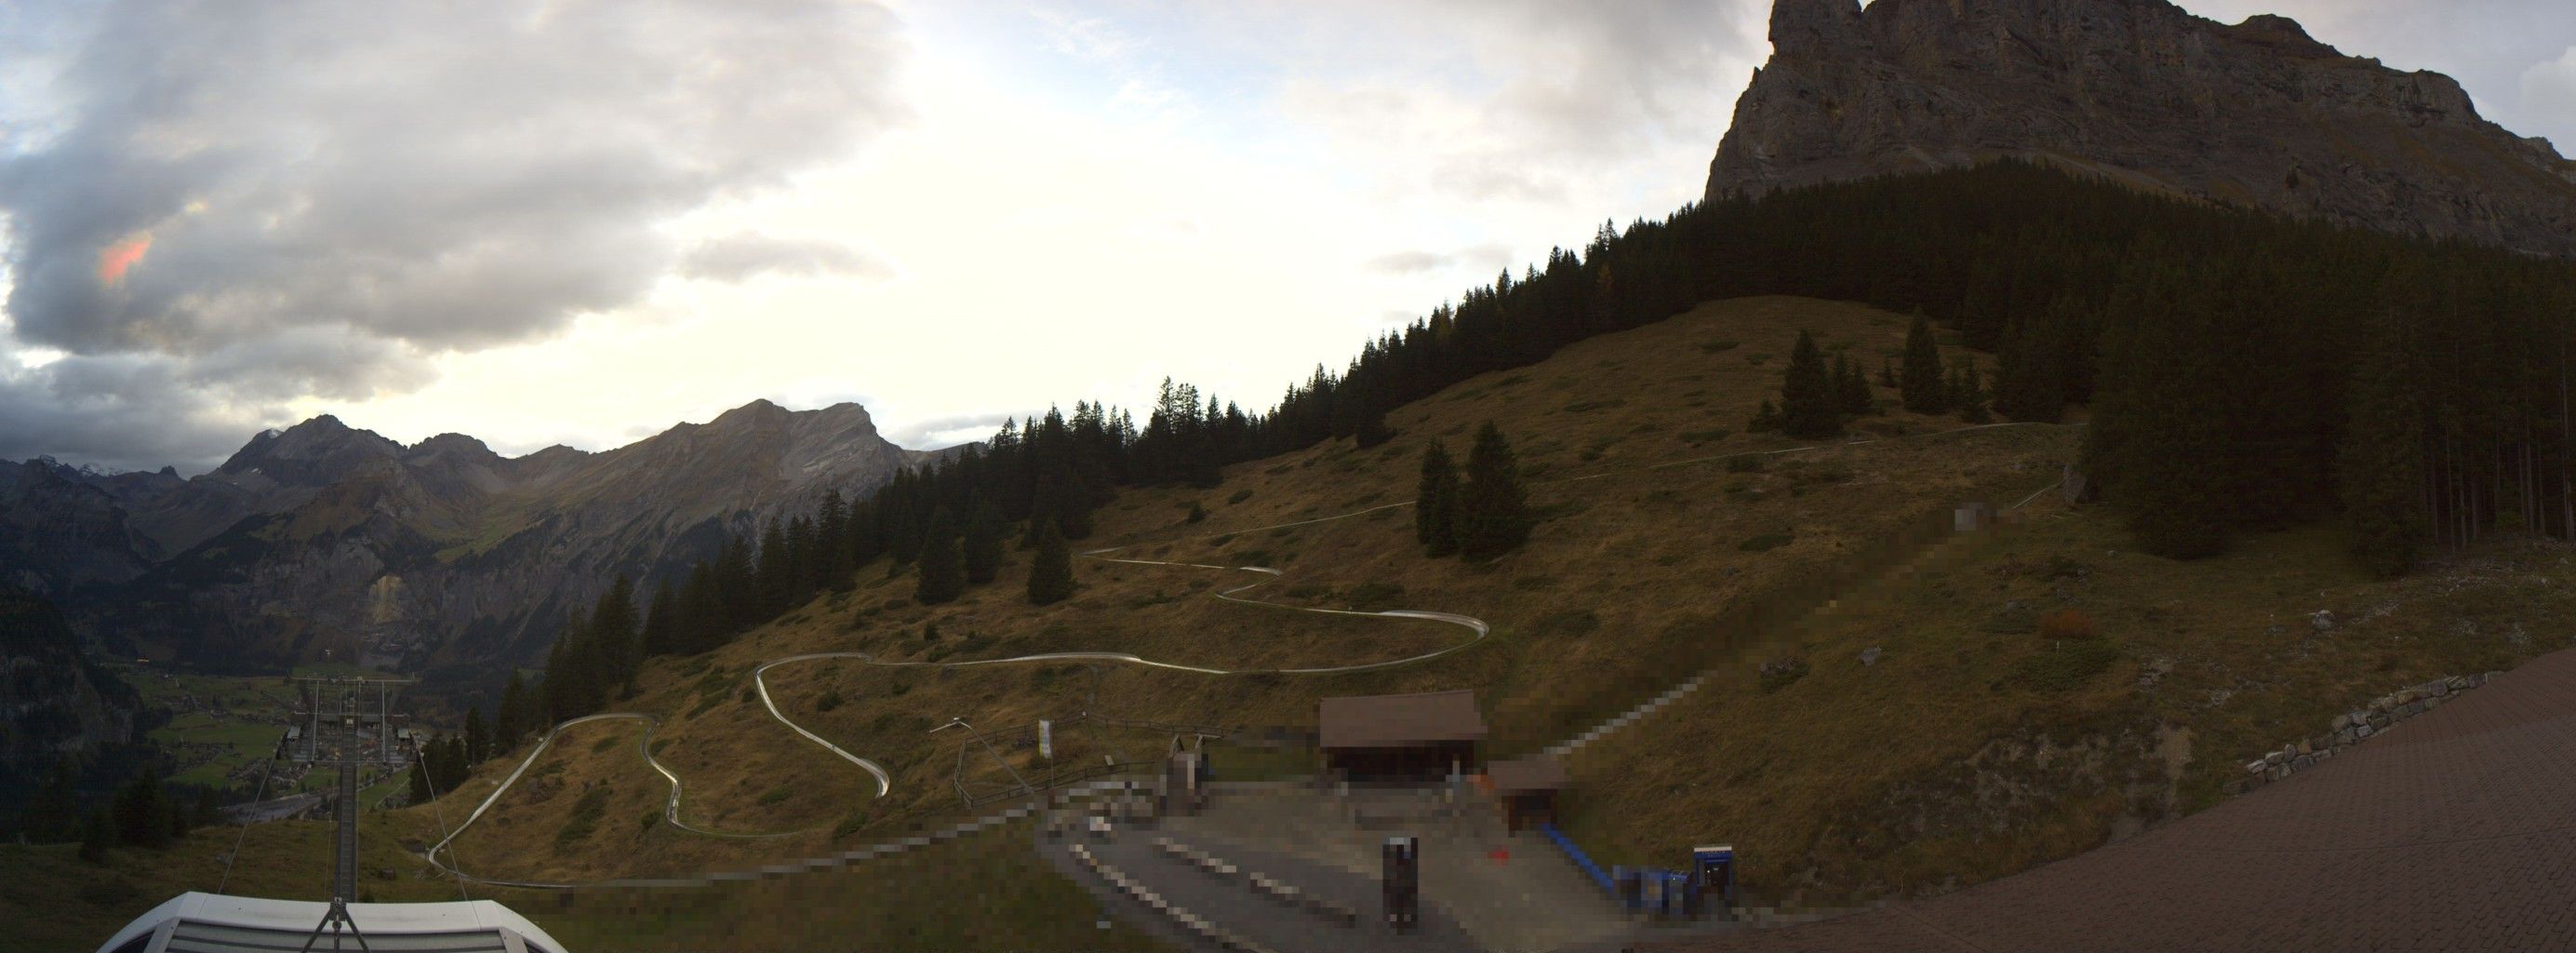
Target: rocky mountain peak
759 411
1814 26
2257 114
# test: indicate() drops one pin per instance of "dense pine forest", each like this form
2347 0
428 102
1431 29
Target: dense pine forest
2243 371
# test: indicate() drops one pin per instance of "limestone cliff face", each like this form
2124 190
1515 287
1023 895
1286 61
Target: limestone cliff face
322 541
2254 114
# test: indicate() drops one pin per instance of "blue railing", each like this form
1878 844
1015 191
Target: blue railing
1581 860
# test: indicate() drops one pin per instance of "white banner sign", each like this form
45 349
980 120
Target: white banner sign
1046 739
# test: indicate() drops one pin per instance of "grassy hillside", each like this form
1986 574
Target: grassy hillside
1634 577
1972 747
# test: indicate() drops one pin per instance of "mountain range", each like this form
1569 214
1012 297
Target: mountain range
324 542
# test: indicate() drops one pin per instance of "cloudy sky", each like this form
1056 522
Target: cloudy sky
581 222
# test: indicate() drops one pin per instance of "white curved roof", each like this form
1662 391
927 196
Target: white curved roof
217 923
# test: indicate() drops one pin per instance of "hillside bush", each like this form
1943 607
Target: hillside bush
585 816
2065 624
1765 542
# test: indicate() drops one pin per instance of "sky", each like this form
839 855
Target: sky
583 222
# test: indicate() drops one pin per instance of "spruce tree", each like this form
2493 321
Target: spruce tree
832 565
142 813
661 632
2029 384
511 722
478 740
2160 414
616 632
1807 407
983 546
1851 388
420 778
1969 397
1887 373
777 572
451 765
735 582
1923 386
1051 570
943 565
2381 459
97 835
1493 511
1435 503
903 537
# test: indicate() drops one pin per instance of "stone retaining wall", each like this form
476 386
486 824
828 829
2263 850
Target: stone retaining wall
2353 727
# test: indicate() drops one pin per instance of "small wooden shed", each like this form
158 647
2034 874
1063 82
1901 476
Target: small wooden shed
1417 737
1527 789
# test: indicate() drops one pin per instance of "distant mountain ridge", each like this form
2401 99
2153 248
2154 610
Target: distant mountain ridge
2255 114
324 541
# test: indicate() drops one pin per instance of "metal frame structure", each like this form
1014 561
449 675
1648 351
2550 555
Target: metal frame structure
339 728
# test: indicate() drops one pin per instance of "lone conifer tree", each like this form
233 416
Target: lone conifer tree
512 722
1923 386
983 547
1851 387
1807 407
478 739
1968 397
1435 505
1493 511
1887 372
943 566
1051 571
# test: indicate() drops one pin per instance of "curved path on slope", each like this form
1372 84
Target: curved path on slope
885 781
2454 830
643 746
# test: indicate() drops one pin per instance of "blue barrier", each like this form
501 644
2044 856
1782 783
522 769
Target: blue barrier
1581 860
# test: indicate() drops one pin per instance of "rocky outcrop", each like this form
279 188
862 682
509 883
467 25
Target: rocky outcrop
2255 114
53 702
323 541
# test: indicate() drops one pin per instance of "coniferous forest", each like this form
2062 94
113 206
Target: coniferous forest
2243 371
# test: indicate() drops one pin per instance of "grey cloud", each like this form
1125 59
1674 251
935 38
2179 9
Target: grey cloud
1408 262
742 256
1482 255
334 191
920 434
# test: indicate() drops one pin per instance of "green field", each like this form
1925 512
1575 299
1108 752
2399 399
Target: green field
247 743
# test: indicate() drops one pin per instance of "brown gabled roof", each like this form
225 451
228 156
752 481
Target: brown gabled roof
1529 775
1397 721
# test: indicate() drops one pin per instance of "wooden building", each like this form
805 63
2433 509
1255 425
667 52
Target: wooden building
1418 737
1527 789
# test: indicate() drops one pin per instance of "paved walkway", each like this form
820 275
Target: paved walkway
1230 904
2455 830
1511 893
